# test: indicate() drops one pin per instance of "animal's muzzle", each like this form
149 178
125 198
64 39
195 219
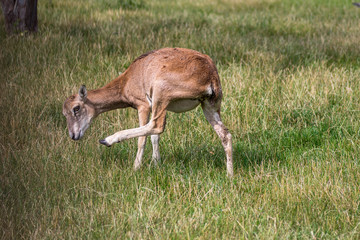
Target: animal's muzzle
74 136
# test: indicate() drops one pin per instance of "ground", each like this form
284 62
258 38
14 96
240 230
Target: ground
290 78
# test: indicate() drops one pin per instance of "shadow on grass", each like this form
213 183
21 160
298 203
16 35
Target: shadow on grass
275 147
120 154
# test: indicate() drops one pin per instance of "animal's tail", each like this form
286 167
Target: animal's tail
216 89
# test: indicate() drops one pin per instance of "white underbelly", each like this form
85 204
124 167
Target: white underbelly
183 105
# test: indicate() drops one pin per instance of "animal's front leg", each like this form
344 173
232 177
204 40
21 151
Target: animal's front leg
143 119
126 134
156 152
155 126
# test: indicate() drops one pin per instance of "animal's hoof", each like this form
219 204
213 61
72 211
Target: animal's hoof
104 142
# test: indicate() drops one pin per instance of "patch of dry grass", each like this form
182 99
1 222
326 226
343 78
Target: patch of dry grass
290 79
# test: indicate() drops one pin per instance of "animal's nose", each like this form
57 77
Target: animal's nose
73 136
76 137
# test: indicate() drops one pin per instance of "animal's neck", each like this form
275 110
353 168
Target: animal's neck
109 97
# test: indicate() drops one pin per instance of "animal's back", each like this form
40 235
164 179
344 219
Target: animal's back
178 68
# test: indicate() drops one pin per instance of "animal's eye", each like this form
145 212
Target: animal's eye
76 109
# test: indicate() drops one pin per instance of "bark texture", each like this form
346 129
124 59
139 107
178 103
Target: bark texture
20 15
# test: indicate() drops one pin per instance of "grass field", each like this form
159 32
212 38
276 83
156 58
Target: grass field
290 76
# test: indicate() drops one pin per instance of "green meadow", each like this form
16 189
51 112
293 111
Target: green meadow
291 83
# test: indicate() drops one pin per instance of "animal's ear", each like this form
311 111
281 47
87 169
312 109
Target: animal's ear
83 93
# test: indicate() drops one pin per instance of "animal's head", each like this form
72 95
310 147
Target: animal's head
79 113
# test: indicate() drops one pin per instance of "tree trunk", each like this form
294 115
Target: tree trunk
20 15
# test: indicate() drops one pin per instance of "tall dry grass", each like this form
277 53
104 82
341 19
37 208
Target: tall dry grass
290 75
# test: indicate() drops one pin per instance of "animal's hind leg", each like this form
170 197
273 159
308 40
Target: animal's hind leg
212 114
